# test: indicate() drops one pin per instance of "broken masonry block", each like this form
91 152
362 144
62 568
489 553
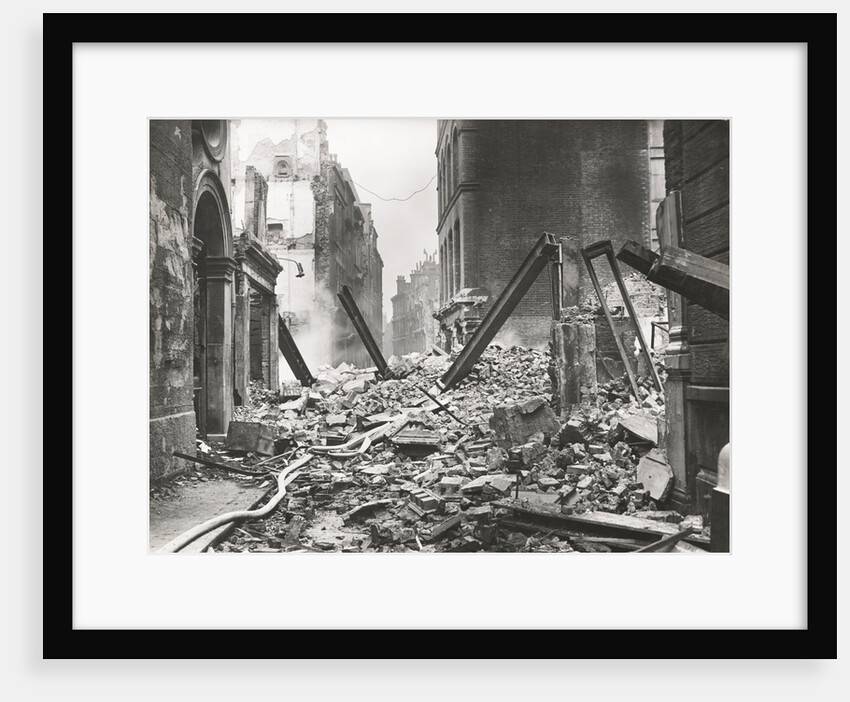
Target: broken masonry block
495 458
501 483
336 419
622 454
514 424
568 496
655 474
585 482
425 500
572 433
439 530
546 483
453 483
530 453
417 442
251 436
620 490
487 533
478 513
538 498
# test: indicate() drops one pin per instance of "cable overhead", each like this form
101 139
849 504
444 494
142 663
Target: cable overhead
396 199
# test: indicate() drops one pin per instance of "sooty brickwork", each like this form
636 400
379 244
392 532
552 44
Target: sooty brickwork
502 183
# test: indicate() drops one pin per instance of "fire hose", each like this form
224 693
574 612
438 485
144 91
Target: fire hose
286 476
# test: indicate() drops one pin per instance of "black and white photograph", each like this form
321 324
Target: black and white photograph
439 335
395 336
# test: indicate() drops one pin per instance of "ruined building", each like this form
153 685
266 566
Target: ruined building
322 235
502 183
193 268
414 304
229 240
697 357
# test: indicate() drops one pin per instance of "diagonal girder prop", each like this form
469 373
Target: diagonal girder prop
353 312
606 248
293 356
544 250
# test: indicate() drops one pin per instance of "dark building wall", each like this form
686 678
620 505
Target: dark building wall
581 181
697 165
172 417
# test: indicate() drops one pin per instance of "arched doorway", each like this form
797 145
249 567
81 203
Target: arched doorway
213 337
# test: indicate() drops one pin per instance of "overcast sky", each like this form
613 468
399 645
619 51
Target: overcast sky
393 158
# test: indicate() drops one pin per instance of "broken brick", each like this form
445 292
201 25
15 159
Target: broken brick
514 424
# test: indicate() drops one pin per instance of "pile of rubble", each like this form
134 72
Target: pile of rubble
464 470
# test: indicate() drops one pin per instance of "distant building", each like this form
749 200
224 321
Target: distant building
228 242
322 235
502 183
414 304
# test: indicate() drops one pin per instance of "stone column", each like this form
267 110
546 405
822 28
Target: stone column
274 369
219 356
678 361
575 355
242 337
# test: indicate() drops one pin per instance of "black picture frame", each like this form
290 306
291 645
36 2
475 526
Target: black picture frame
817 31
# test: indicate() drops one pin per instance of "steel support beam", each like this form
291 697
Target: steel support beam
353 312
543 252
606 248
703 281
293 356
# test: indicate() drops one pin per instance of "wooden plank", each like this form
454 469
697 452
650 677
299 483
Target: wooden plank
667 542
437 531
596 521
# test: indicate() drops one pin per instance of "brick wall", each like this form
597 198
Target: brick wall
581 181
697 164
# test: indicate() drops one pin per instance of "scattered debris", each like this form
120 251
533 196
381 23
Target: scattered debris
250 436
655 475
485 465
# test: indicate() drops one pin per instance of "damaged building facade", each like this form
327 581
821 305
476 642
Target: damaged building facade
193 268
322 235
235 247
414 328
593 441
501 183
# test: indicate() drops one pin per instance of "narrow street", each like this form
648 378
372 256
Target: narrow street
493 471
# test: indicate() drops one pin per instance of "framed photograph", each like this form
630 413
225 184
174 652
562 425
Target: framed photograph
238 223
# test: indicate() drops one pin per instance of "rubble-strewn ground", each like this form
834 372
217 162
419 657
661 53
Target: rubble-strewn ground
475 477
